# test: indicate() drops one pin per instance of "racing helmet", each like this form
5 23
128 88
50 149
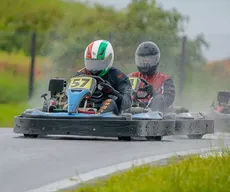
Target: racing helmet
147 57
99 57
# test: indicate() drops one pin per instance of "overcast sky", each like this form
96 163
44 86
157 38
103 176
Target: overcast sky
212 17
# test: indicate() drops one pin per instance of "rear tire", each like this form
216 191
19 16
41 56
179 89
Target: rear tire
195 136
124 138
30 135
154 138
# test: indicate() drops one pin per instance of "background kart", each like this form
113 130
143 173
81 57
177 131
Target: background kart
194 125
73 111
220 112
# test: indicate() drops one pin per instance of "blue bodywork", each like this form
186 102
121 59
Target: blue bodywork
152 115
74 99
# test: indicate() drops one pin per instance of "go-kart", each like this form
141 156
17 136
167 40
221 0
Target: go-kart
194 125
220 112
72 110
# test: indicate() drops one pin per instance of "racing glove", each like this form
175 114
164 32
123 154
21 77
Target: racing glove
143 104
108 89
149 89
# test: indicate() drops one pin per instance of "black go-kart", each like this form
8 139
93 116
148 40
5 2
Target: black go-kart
194 125
220 112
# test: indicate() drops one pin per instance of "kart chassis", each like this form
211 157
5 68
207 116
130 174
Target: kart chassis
124 127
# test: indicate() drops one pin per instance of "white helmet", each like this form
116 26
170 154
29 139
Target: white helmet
99 57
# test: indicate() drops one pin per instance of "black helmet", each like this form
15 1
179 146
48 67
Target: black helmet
147 58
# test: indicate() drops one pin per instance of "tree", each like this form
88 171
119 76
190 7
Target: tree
65 28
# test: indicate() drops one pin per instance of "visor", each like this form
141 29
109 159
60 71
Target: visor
147 61
95 65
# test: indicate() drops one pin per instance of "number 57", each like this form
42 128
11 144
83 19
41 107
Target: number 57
79 83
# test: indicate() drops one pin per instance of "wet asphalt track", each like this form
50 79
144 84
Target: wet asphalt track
30 163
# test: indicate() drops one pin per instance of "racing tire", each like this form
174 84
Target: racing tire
195 136
124 138
154 138
30 135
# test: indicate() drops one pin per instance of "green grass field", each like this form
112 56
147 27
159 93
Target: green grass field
8 111
13 88
14 76
192 174
14 70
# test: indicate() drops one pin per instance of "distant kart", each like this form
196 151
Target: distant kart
72 110
194 125
221 112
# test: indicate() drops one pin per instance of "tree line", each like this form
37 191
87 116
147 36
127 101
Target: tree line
65 28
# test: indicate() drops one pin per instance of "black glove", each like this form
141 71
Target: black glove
149 89
143 104
108 89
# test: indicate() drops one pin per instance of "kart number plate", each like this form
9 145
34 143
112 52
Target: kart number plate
134 82
81 83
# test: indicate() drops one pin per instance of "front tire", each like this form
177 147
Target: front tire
30 135
124 138
195 136
154 138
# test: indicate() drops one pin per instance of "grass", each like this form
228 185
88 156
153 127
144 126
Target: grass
13 87
8 111
191 174
19 62
14 76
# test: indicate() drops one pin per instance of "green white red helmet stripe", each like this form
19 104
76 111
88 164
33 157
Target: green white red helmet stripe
99 57
97 49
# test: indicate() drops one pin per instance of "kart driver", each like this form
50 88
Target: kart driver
161 90
98 60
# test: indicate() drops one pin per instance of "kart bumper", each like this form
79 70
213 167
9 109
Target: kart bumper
194 124
194 127
221 121
108 127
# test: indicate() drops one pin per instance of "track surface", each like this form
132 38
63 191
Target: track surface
31 163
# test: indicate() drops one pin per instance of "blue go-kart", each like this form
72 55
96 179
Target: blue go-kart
72 110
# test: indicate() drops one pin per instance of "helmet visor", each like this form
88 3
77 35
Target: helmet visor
147 61
95 65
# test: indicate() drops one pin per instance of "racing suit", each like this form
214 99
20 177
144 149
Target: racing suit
163 91
120 82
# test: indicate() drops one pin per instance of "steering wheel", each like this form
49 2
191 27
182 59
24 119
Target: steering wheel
142 89
99 79
99 97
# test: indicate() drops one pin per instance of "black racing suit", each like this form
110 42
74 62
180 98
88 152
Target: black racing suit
120 82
